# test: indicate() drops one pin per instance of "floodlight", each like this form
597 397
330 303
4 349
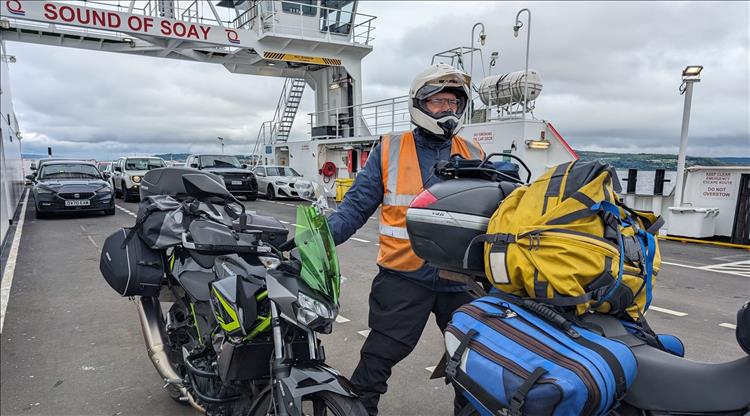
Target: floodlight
538 144
692 71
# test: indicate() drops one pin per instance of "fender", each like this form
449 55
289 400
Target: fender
304 379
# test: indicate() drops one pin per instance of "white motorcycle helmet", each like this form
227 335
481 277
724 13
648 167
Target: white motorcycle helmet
435 79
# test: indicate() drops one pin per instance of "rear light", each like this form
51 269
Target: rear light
423 200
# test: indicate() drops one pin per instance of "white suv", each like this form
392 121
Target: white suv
128 171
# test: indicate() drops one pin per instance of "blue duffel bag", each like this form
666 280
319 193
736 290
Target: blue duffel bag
507 359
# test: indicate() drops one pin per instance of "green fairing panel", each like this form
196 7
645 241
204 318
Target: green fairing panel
320 266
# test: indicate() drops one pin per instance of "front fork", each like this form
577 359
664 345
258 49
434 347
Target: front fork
286 393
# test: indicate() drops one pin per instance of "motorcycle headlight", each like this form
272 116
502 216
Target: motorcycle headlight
135 178
315 314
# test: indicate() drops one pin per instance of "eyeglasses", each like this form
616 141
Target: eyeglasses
442 102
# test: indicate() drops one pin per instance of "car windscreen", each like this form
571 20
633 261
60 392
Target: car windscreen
220 162
282 171
69 171
104 167
143 164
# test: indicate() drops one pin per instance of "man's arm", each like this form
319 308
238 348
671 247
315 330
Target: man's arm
360 202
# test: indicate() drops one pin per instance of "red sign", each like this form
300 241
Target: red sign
103 19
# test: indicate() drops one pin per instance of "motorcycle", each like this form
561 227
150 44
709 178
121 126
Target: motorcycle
666 384
240 335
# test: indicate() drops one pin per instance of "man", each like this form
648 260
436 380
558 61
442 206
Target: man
406 290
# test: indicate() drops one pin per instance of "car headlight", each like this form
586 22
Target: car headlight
42 190
135 178
315 314
281 183
104 190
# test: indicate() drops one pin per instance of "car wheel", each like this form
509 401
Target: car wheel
270 193
40 215
110 211
252 197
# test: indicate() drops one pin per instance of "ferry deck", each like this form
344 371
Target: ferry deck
71 346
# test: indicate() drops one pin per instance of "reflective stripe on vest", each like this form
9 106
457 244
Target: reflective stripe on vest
402 182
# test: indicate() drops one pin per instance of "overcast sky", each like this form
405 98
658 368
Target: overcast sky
611 74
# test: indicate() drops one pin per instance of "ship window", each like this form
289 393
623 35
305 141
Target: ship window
336 16
309 7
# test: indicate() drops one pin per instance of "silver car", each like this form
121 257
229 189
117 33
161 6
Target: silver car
277 181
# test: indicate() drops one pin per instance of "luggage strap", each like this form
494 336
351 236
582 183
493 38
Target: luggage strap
462 380
501 238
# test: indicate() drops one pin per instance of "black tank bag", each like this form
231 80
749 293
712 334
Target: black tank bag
130 266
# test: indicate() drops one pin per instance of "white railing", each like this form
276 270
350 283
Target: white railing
308 20
369 119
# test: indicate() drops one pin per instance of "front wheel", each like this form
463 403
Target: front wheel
317 404
270 193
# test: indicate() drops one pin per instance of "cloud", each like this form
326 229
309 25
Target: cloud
611 74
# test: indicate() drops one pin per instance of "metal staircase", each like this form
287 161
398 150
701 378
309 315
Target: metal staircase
295 87
277 129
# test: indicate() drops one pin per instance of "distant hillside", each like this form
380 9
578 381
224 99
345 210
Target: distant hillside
736 161
652 161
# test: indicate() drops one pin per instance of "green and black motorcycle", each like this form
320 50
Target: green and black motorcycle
240 335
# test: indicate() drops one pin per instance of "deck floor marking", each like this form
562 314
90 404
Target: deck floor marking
284 222
10 266
364 333
360 240
82 227
739 268
728 325
667 311
710 268
92 241
340 319
125 210
430 369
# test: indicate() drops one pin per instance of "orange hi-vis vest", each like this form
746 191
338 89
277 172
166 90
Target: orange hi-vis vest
402 181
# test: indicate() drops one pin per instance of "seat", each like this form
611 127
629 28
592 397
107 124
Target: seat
667 382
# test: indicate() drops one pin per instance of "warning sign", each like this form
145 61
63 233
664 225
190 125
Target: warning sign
484 137
717 185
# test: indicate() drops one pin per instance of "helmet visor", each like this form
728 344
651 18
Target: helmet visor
426 93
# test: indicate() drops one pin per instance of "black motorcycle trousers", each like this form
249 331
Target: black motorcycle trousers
399 310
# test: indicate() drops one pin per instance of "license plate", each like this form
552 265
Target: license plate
79 203
236 182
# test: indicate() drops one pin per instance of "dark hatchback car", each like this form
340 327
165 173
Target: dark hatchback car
238 180
68 186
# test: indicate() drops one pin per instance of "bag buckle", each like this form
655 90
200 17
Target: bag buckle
515 405
451 368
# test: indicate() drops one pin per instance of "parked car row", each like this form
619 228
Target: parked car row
65 185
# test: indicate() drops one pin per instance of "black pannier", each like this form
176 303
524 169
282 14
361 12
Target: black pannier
130 266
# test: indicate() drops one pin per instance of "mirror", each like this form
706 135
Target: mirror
194 165
261 174
31 177
244 166
106 175
202 187
118 169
